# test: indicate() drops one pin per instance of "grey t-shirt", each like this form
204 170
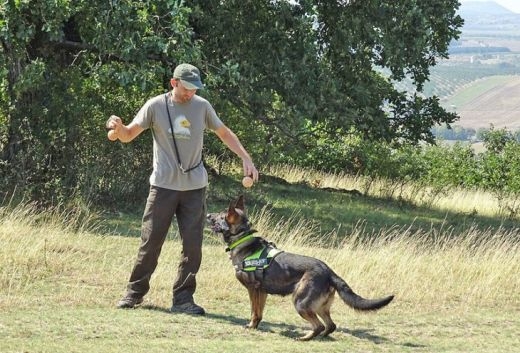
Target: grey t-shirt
189 121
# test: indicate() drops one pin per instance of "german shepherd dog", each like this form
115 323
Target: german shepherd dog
310 281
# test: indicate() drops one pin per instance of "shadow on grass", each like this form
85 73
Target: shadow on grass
291 331
331 209
156 308
366 334
294 332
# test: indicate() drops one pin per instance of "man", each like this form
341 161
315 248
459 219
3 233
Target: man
178 182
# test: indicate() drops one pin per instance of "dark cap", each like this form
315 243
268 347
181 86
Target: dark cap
189 76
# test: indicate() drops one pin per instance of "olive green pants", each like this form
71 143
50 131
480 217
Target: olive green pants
189 207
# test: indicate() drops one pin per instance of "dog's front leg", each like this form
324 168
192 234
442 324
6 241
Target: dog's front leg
257 298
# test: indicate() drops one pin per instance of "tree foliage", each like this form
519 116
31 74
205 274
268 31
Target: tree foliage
69 65
287 76
287 64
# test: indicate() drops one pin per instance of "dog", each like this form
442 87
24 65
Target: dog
263 269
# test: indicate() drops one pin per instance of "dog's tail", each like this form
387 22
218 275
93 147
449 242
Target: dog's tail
355 301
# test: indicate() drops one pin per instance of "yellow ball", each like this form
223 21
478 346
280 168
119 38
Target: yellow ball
247 182
112 135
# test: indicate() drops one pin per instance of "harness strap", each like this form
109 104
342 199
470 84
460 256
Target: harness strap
183 170
261 259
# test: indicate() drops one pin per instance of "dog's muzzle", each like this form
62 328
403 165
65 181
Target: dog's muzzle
217 224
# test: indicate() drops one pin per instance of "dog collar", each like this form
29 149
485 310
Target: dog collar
240 241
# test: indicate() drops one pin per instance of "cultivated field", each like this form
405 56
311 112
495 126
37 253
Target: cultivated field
482 86
490 101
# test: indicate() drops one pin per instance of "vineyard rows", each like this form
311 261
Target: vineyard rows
448 78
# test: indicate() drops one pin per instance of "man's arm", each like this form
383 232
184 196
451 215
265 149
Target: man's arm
233 143
124 133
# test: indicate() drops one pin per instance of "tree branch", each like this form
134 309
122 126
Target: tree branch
79 46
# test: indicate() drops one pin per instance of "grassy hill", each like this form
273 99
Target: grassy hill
490 101
473 80
62 271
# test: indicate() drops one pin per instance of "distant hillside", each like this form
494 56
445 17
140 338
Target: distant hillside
490 102
488 16
482 8
481 79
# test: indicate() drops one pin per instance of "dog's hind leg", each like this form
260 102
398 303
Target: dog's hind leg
324 314
317 326
257 299
305 304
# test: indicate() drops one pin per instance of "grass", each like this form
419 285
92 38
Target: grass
61 274
346 204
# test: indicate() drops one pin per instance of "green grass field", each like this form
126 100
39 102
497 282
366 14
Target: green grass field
61 274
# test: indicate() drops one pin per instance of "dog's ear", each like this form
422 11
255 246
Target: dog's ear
240 204
232 214
231 208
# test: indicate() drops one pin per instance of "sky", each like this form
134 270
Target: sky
513 5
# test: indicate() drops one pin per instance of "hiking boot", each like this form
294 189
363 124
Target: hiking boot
129 302
189 308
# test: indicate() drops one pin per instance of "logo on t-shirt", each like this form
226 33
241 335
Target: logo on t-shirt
181 127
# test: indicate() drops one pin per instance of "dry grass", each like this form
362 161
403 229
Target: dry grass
449 199
420 267
480 268
60 278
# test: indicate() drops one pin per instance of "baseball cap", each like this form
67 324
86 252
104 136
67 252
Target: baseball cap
189 76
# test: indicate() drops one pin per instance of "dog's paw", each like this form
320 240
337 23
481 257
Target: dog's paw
251 326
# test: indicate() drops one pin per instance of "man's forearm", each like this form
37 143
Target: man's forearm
231 140
124 133
233 143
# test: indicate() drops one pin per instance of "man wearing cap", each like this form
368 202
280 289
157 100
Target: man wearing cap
178 182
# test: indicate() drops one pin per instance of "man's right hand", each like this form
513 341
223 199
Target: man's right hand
119 131
113 124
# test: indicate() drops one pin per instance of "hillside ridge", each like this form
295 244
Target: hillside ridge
498 106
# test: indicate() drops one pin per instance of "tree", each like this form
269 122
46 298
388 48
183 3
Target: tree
283 64
68 65
496 140
286 75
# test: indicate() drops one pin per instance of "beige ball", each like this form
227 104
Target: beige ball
247 182
112 135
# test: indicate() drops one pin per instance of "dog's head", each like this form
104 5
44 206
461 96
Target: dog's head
232 223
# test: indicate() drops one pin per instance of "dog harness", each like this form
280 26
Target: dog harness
261 259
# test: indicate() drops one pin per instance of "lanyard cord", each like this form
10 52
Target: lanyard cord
185 171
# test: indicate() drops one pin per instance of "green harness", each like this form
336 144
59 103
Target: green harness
261 259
